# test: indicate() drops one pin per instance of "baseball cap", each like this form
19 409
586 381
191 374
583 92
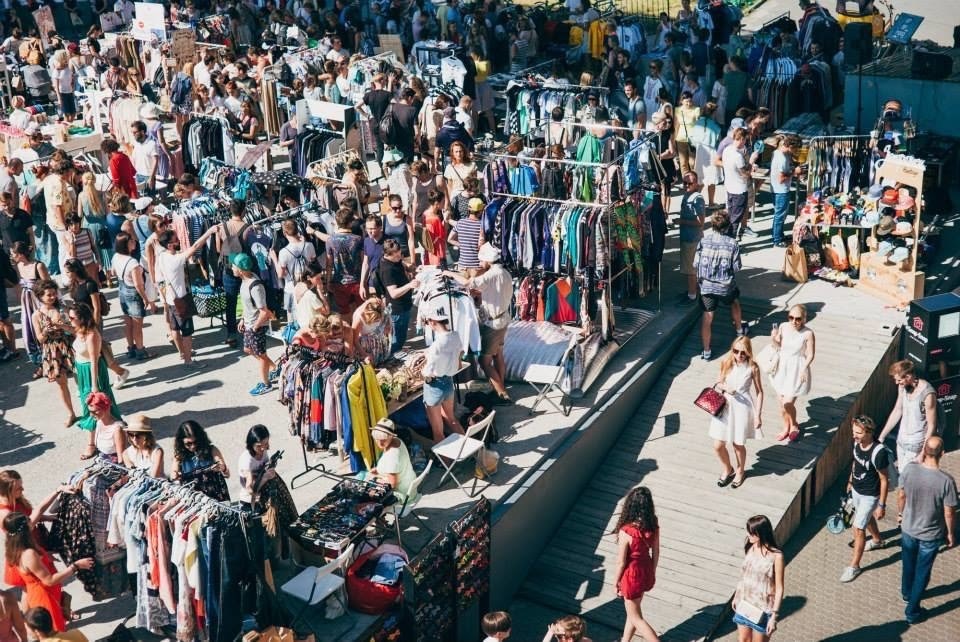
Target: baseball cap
242 261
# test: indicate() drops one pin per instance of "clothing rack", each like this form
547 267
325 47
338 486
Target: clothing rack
97 466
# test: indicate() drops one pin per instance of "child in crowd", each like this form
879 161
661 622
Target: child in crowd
496 626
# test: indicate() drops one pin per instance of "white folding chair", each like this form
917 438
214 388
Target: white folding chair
406 508
314 585
545 379
458 448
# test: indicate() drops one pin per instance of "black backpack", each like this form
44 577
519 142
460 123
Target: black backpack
387 128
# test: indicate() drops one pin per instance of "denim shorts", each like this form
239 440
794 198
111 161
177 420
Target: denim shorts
130 302
760 627
438 391
863 505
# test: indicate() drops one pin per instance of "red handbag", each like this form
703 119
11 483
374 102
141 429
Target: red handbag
711 401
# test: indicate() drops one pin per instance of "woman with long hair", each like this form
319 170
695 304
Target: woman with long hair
425 181
309 299
93 209
195 458
399 226
53 331
90 369
638 552
664 168
143 453
739 382
372 331
760 589
33 568
460 167
30 272
798 347
254 457
108 435
86 290
12 500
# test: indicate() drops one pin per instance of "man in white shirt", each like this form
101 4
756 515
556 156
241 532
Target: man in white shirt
172 277
201 72
736 172
337 53
494 286
464 114
146 155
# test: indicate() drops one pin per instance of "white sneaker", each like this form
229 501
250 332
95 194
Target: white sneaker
872 545
849 574
122 379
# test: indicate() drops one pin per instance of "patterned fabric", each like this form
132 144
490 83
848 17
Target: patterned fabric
209 482
57 351
72 537
277 504
717 261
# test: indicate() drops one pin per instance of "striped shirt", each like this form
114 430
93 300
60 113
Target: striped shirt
717 261
468 236
83 247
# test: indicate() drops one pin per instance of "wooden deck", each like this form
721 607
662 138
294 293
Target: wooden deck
665 447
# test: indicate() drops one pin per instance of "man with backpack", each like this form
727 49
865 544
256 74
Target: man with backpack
256 318
292 262
867 487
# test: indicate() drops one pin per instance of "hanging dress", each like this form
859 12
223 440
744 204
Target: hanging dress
28 307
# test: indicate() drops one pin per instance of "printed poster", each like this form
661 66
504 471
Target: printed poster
148 22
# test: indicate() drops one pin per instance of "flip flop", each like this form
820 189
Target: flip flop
738 484
72 420
725 481
794 435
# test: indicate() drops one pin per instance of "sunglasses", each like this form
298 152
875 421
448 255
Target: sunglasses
138 435
739 352
189 443
792 318
397 208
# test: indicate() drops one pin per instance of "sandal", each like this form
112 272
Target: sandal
72 420
794 435
783 435
89 453
738 483
37 373
725 481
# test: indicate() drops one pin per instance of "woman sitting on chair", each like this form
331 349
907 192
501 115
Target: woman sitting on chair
394 466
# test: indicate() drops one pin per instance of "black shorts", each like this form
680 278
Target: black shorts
183 325
710 302
736 208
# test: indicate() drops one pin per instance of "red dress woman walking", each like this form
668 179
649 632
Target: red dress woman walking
638 551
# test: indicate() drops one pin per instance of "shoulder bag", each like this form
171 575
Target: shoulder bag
711 400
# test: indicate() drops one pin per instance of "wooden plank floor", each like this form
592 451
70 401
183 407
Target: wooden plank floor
665 446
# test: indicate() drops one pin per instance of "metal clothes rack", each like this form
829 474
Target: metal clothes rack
135 474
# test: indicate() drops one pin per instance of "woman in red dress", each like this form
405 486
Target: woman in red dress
33 568
638 551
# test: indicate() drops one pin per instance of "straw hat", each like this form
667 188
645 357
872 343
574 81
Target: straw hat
386 428
138 423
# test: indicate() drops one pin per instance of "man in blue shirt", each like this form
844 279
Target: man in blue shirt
717 261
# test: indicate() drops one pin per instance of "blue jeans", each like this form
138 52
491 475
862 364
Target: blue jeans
780 204
231 288
401 324
917 556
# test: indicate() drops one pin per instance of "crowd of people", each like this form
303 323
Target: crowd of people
347 286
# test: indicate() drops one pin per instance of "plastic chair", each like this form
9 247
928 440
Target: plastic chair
314 585
545 379
458 448
413 498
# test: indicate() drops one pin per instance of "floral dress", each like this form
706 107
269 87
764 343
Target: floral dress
57 353
375 339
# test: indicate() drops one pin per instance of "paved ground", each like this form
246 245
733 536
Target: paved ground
819 608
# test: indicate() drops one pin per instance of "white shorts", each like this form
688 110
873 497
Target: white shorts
864 505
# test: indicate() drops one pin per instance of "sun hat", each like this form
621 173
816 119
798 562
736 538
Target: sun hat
905 203
886 225
138 423
903 227
875 191
488 254
475 204
386 427
142 203
242 261
890 196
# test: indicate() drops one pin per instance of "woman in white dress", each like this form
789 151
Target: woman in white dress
797 346
740 420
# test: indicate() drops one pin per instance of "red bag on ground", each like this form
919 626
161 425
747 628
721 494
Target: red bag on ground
369 597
